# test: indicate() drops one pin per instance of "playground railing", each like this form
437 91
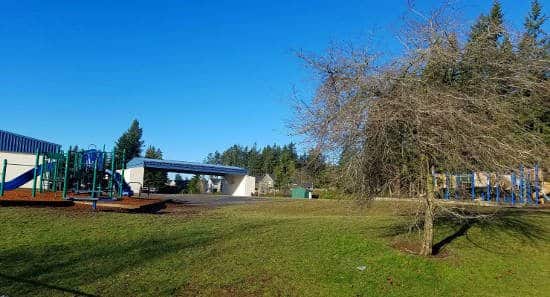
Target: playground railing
522 186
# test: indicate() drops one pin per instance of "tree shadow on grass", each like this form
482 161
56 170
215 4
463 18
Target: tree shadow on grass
37 284
62 268
513 223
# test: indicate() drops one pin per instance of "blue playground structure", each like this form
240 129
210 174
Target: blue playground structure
90 175
517 187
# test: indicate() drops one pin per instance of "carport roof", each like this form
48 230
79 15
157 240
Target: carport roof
186 167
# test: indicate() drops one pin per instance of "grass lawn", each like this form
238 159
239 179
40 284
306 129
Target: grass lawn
281 248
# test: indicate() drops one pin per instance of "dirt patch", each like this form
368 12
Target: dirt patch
413 247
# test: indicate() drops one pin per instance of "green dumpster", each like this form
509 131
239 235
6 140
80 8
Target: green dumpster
300 192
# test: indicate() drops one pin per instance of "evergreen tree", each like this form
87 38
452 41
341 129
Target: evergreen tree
194 186
180 182
534 45
284 170
534 21
487 33
214 158
534 41
496 24
154 177
254 161
488 45
130 142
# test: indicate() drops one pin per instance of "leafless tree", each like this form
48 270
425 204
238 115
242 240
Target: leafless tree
442 105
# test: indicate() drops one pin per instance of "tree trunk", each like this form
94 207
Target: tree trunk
429 209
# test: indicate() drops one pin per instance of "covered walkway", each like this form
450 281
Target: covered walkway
236 180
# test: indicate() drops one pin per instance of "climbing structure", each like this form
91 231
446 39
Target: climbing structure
77 174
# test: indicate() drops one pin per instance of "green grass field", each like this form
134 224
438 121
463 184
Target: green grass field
301 248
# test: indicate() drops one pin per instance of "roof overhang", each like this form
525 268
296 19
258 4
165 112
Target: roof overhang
13 142
186 167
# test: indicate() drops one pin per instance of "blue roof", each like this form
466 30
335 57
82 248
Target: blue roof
12 142
186 167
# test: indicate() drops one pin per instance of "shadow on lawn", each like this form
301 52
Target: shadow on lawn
44 285
62 268
514 223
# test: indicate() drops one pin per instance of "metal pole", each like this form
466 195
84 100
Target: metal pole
521 184
76 171
100 167
537 185
112 173
55 172
528 186
473 185
65 176
447 186
35 173
4 166
513 187
457 187
94 178
42 172
121 181
497 189
488 193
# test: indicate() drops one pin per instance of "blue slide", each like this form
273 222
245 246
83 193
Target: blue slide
24 178
118 179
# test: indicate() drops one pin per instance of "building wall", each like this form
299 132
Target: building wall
239 185
13 171
266 184
134 177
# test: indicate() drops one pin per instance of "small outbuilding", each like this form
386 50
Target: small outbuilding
300 192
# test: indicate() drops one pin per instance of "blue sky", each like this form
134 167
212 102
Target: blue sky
198 75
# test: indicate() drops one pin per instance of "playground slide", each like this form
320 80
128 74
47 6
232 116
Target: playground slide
118 179
24 178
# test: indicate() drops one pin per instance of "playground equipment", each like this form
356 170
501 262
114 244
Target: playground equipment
522 186
75 173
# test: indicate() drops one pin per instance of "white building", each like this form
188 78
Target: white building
20 153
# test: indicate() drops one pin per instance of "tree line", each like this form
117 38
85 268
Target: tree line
282 162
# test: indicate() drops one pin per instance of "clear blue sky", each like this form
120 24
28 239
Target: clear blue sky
198 75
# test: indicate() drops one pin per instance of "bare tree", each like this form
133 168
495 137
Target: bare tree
439 106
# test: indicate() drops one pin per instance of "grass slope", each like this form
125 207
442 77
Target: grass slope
302 248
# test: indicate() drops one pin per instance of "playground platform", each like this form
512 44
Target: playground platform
23 197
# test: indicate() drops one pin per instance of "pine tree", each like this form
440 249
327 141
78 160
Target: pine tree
285 169
153 177
194 186
130 142
534 41
534 21
153 153
496 23
487 46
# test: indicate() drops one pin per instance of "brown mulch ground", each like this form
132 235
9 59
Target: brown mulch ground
23 197
26 194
